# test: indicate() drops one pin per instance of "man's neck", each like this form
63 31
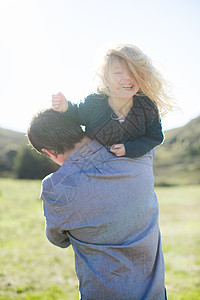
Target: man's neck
60 158
85 141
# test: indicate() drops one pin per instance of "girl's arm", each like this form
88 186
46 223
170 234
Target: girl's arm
144 144
78 113
60 103
153 137
139 146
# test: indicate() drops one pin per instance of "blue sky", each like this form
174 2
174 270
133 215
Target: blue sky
55 45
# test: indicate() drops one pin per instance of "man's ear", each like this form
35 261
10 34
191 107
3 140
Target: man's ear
50 153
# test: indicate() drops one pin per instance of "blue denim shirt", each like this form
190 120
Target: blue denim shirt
106 208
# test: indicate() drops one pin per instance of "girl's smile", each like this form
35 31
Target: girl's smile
122 82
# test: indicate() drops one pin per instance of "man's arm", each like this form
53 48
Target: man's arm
53 229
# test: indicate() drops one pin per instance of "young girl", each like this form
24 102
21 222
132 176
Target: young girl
124 114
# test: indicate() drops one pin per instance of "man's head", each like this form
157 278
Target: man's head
51 130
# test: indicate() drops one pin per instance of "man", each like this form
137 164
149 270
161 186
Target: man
105 207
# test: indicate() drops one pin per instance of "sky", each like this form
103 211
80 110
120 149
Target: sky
50 46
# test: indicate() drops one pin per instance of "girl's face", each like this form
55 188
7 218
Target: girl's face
122 83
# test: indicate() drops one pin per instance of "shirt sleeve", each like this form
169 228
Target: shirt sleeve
81 113
153 136
72 113
52 227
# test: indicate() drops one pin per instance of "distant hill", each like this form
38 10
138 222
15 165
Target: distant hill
17 159
177 161
10 143
10 140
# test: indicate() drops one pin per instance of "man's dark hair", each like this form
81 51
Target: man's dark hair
54 131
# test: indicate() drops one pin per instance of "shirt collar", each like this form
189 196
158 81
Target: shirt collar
84 151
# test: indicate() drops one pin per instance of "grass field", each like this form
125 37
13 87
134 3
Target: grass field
32 268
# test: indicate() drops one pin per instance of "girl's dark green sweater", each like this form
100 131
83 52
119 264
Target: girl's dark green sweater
140 132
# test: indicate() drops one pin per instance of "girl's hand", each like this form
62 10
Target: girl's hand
118 149
59 102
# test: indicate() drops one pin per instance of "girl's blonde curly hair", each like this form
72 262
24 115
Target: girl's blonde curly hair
151 82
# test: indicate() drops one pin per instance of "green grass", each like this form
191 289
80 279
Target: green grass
32 268
180 228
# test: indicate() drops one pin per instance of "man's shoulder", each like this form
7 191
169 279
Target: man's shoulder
47 185
47 182
59 187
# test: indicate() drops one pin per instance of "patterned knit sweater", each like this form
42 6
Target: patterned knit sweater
140 132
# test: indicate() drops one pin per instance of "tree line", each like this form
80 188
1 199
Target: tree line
26 164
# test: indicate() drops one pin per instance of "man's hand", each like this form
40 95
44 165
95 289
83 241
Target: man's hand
59 102
118 149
